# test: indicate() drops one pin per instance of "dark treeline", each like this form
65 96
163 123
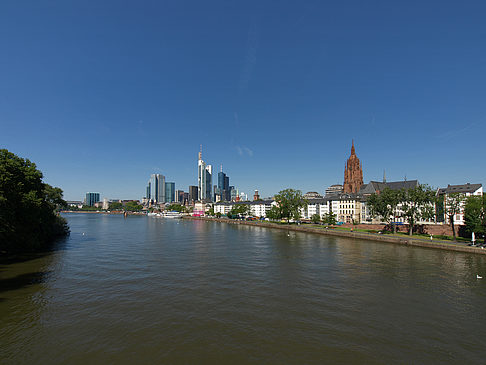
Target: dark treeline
29 219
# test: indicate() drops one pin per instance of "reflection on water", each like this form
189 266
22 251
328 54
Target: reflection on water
174 291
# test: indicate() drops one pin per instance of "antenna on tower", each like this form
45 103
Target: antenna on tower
384 175
405 177
200 152
221 167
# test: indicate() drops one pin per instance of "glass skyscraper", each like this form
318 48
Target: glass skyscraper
223 186
156 188
204 179
169 192
92 198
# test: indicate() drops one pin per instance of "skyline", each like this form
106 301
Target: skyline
100 96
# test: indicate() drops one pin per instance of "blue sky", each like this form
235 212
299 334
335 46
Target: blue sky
100 94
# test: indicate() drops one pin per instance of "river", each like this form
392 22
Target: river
150 290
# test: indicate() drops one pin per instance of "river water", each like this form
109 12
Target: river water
149 290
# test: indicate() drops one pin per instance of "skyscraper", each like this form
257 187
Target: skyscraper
169 192
157 188
204 178
223 186
193 193
201 177
92 198
209 182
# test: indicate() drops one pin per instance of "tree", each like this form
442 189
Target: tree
240 210
416 204
452 205
289 202
133 206
273 213
115 206
176 207
316 218
385 205
329 218
475 215
28 218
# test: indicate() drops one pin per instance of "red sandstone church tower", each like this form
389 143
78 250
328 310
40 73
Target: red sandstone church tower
353 173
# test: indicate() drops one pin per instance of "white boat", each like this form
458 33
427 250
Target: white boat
171 215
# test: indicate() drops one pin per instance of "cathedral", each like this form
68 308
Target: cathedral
353 173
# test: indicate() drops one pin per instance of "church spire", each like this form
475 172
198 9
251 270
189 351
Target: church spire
352 147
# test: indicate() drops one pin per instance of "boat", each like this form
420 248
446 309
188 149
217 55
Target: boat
172 214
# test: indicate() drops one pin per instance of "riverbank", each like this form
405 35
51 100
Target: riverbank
103 212
402 240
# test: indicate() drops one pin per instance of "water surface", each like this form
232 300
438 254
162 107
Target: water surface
151 290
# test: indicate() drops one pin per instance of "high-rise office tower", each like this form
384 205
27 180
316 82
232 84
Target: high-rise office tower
92 198
193 193
223 185
169 192
204 178
201 176
147 193
209 182
157 188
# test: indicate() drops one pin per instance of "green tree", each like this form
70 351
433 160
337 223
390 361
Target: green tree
453 205
316 218
115 206
329 218
416 204
289 203
28 218
385 205
273 213
176 208
240 210
475 215
133 206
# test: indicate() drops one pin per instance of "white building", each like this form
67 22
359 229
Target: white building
466 190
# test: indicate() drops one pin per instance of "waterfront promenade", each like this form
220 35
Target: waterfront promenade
309 228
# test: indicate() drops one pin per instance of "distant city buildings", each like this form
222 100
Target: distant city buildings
92 198
204 179
156 189
193 194
169 192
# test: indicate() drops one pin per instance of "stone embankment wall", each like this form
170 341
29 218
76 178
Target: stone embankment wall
411 241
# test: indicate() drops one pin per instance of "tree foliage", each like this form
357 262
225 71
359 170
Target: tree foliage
453 205
416 204
385 205
176 208
133 206
273 213
28 217
289 202
475 215
316 218
115 206
239 210
329 218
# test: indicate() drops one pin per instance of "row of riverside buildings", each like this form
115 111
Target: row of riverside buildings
348 201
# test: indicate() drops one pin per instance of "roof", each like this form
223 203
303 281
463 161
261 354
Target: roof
374 186
464 188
